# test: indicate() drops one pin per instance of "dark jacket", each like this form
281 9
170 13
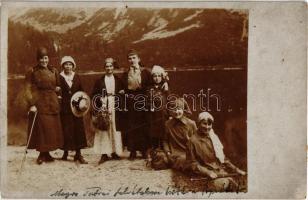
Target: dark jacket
72 126
146 79
43 82
47 130
134 121
68 92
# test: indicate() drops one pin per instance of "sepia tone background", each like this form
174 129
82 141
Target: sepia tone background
276 98
201 48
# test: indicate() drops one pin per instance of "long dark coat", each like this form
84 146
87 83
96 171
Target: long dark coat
99 86
47 131
73 127
136 122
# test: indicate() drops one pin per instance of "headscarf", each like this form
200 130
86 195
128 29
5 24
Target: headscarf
205 116
158 70
218 147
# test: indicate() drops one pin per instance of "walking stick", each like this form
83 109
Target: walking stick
28 142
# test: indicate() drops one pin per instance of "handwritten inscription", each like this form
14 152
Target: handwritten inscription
96 192
136 190
62 193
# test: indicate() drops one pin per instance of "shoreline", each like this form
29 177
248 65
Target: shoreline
119 71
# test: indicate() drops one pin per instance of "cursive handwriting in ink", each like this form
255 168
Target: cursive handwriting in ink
135 191
61 193
177 191
95 192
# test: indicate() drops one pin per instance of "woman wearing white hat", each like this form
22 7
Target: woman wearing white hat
157 115
205 156
73 127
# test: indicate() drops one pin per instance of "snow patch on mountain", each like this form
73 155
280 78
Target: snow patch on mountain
174 14
103 25
160 32
119 12
153 18
122 24
193 15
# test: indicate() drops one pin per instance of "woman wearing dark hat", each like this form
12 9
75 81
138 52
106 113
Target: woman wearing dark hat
43 83
136 80
73 127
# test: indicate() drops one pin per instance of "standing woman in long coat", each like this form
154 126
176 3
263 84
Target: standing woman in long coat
73 127
105 98
136 80
43 84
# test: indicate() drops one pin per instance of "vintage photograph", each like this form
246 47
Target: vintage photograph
126 102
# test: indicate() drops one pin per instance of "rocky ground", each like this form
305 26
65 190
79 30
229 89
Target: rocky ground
66 179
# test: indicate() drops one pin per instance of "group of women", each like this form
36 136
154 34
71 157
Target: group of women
56 127
188 146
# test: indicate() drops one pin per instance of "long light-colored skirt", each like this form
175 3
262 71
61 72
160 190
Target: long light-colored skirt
109 141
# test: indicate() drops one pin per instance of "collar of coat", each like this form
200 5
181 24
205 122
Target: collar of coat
183 119
49 67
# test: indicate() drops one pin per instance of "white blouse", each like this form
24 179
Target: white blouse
68 78
110 84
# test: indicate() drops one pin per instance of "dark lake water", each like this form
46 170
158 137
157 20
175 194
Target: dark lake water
230 120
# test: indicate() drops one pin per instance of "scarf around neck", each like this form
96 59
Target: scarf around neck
68 78
218 147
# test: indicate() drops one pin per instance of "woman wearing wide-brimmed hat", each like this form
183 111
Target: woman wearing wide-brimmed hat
73 127
43 84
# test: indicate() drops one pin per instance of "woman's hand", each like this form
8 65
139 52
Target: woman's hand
241 172
165 86
212 175
33 109
58 89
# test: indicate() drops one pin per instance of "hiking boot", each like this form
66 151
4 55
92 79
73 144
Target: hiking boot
115 156
132 155
103 159
80 159
65 154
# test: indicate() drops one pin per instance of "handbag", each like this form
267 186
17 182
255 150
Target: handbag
101 120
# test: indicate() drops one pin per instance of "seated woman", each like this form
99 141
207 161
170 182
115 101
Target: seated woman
205 156
178 130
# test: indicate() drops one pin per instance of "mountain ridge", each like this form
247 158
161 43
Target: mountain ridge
170 37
